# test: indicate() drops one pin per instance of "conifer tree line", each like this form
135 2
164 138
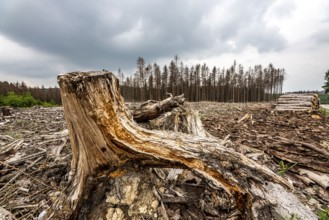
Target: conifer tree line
43 94
198 83
202 83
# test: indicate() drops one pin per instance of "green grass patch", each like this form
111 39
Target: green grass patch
323 214
285 167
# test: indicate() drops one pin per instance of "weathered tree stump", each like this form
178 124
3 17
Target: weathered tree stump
107 143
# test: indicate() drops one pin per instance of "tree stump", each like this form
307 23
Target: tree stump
107 143
6 111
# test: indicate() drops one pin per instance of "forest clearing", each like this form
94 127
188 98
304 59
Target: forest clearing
164 110
36 155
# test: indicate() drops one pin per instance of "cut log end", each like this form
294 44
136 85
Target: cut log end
298 102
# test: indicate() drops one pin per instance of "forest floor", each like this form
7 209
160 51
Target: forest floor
35 153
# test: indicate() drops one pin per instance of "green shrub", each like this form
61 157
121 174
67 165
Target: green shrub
16 100
26 100
48 104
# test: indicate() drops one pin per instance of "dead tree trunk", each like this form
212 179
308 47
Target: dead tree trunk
106 142
152 109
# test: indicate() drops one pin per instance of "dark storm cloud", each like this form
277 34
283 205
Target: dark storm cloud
97 34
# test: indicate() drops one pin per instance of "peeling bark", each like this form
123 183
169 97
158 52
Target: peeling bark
107 143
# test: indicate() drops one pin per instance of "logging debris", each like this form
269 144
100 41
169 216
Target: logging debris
35 160
270 137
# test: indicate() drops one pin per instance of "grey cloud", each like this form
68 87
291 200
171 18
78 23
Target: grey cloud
262 38
283 8
113 34
246 27
322 36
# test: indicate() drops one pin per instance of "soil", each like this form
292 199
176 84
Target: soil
35 151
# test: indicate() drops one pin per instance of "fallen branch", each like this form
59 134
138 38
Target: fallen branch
152 109
322 180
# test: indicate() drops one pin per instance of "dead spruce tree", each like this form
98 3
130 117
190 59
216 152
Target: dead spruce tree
107 144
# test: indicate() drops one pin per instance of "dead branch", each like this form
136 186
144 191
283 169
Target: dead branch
152 109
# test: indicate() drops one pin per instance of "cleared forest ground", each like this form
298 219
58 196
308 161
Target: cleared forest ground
35 152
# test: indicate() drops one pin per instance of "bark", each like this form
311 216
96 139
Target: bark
107 143
152 109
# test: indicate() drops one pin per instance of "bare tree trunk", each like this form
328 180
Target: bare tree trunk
106 142
152 109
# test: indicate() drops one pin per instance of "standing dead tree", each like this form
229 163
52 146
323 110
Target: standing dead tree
106 142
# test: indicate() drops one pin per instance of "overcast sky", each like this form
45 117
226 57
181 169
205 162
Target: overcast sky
40 39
